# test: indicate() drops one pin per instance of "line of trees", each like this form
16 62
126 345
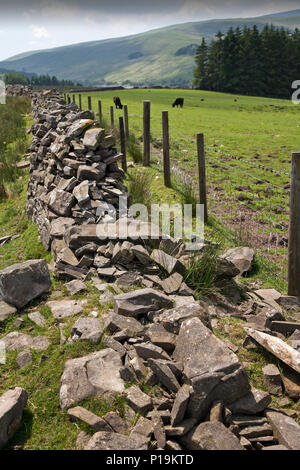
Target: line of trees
12 78
249 61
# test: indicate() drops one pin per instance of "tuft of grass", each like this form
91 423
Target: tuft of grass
181 182
201 273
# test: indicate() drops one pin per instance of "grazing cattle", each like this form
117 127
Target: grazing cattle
178 102
117 102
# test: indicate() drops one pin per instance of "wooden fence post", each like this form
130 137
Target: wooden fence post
89 103
166 148
80 103
69 100
100 110
126 120
146 133
112 122
202 175
74 102
123 143
294 230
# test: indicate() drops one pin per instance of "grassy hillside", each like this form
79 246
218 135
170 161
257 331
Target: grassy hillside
147 58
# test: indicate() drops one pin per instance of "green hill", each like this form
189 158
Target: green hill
158 57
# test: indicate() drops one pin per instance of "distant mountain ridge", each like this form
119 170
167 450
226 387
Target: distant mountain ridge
158 57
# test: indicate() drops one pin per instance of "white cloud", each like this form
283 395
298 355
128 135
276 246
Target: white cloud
39 32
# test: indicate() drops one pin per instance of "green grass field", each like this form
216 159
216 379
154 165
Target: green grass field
245 138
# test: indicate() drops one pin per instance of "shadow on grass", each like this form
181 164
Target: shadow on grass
24 431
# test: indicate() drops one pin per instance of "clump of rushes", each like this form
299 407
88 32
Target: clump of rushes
139 187
201 273
133 148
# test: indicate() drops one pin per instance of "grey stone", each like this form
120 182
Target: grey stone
291 383
173 445
24 358
138 400
59 226
23 282
159 336
115 345
172 283
16 341
241 257
140 302
181 429
89 329
82 440
93 137
253 403
211 436
114 322
117 424
37 318
6 311
75 286
159 431
256 431
210 367
115 441
66 308
67 256
167 262
272 379
143 427
285 327
85 172
78 128
276 346
12 404
164 374
61 202
79 414
149 350
180 405
173 319
285 429
81 192
91 376
142 254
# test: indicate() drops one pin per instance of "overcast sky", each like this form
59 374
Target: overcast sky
37 24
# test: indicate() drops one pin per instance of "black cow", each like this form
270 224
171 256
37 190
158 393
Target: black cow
178 102
117 102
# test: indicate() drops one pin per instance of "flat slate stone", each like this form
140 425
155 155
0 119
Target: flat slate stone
24 358
285 429
80 414
172 319
138 400
89 329
180 404
214 371
211 436
23 282
252 403
164 374
276 346
114 441
172 283
75 286
167 262
241 257
66 308
16 341
61 202
91 376
150 351
12 404
140 301
272 379
114 322
37 318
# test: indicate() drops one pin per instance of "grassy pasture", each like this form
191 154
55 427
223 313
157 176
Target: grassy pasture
245 138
